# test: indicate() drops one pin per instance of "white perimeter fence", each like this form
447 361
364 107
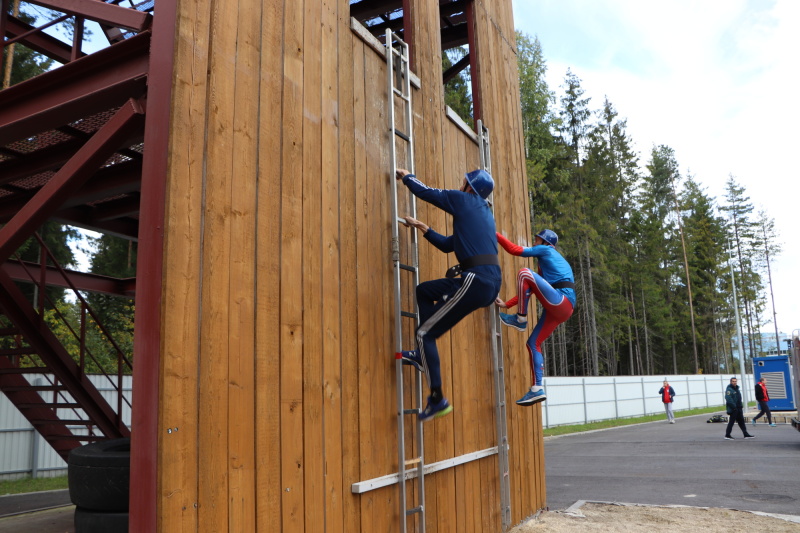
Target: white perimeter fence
570 400
23 452
578 400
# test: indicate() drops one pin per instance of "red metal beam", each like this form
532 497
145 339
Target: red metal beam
145 495
39 42
110 181
81 217
115 133
98 82
21 271
97 11
49 158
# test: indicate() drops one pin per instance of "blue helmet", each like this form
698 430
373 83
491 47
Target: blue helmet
549 236
481 182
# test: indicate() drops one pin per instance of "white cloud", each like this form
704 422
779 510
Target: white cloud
714 80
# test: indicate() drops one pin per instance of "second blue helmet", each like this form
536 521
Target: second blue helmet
549 236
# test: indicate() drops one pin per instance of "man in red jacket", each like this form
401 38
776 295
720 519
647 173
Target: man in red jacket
762 398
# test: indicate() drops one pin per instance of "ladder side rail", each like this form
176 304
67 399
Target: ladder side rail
498 364
401 461
409 120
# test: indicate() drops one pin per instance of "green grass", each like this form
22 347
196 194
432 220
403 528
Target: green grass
20 486
564 430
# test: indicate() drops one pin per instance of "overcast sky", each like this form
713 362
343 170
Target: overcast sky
715 80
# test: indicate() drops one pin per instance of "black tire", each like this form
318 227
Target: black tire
99 475
87 521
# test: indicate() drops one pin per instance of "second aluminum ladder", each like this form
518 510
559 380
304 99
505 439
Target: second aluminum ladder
498 363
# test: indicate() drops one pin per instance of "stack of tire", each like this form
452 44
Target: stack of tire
99 486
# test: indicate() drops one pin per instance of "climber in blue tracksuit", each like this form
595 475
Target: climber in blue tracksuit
444 302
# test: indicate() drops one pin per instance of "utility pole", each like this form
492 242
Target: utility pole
738 330
771 294
688 278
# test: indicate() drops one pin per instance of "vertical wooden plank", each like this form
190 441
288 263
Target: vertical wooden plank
332 273
314 491
291 352
214 350
269 260
241 366
358 360
178 406
350 52
366 361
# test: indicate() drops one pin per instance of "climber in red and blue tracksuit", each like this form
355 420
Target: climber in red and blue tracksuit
554 287
444 302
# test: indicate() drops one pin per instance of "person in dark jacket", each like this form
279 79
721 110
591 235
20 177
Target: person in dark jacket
762 397
733 404
667 395
443 303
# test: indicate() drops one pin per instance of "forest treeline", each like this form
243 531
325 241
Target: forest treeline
653 254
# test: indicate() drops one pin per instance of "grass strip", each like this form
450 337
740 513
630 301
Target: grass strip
603 424
28 484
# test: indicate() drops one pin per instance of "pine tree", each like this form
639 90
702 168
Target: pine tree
742 232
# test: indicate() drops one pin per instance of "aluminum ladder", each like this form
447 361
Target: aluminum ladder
498 364
406 276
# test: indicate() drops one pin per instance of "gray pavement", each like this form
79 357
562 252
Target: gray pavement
686 463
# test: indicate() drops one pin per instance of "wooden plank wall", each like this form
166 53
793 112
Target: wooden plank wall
278 375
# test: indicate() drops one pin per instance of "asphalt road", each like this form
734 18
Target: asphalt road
686 463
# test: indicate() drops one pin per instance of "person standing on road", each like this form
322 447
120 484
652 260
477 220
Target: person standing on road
733 404
667 394
443 303
762 397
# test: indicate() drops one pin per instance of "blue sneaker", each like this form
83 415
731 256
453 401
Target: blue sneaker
772 425
532 397
435 411
754 421
512 321
412 358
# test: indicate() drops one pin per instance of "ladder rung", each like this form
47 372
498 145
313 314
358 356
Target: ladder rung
414 411
408 267
408 315
414 461
415 510
399 93
402 135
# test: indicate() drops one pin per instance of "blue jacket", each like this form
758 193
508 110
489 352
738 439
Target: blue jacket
473 224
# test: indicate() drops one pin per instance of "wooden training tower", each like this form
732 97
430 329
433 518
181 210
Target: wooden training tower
264 360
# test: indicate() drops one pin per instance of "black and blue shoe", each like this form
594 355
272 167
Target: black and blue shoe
412 358
439 409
